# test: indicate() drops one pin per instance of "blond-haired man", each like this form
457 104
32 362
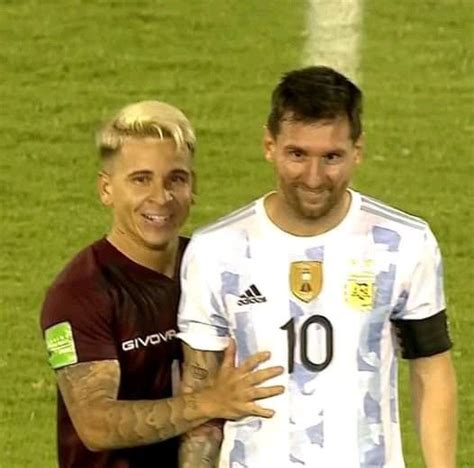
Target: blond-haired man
109 318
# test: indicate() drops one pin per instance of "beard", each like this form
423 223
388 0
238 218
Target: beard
314 205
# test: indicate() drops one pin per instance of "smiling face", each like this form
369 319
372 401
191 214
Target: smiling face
314 163
148 185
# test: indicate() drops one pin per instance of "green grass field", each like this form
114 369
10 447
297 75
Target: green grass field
64 66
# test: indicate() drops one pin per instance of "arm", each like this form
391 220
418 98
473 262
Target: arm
90 393
103 422
200 447
433 388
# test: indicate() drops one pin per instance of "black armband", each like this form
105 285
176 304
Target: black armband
423 338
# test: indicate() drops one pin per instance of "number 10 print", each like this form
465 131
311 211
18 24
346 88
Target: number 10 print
313 330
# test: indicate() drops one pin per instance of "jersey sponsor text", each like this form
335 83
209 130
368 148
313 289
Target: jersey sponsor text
153 340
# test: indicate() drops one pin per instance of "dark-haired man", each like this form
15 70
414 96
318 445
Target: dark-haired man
109 319
332 282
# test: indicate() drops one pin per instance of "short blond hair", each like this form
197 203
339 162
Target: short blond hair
144 119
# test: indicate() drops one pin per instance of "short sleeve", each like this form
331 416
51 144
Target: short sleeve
423 295
202 318
77 326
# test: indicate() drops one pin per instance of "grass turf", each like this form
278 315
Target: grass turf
65 66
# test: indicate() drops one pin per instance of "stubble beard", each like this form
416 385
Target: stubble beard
306 212
311 214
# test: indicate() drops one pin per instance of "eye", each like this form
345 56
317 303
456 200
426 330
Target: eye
179 178
141 179
295 153
332 158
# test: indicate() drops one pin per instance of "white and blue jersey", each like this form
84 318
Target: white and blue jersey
324 307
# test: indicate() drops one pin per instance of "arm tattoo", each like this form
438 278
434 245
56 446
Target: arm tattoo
200 447
90 393
198 373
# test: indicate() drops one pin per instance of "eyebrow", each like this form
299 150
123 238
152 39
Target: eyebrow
140 172
145 172
180 171
335 150
294 147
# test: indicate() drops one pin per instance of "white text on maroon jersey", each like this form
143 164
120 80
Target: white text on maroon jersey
150 340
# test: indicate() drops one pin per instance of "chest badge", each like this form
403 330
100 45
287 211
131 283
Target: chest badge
306 280
360 291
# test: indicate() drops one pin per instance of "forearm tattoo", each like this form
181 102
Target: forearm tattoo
198 373
200 447
90 392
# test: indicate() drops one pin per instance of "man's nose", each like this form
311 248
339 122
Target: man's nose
160 193
313 175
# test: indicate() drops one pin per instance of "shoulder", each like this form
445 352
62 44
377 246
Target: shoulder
234 220
229 227
389 224
82 270
398 230
391 216
76 290
227 237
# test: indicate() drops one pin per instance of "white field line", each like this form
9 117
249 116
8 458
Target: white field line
333 35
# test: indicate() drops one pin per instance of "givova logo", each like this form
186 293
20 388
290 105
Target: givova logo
153 340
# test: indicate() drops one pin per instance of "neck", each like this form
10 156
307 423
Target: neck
162 260
294 223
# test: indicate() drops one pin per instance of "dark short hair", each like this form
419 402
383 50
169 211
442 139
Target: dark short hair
315 93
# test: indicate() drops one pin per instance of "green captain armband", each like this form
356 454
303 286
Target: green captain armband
60 345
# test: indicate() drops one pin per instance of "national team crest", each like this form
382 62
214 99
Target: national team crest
306 279
360 291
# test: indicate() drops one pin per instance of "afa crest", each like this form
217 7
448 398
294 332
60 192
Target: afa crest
360 291
306 280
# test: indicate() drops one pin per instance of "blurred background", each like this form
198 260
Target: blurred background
67 65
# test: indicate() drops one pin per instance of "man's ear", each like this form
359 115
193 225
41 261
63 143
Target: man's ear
104 188
268 145
359 149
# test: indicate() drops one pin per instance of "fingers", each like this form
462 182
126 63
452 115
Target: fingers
256 410
260 393
260 376
248 407
263 412
229 354
253 361
239 386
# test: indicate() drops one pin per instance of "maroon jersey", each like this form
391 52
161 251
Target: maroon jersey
105 306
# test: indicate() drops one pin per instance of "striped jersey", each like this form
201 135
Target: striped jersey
324 307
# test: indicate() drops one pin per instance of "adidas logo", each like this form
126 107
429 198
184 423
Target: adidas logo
251 296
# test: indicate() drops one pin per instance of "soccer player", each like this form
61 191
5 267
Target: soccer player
333 283
109 319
